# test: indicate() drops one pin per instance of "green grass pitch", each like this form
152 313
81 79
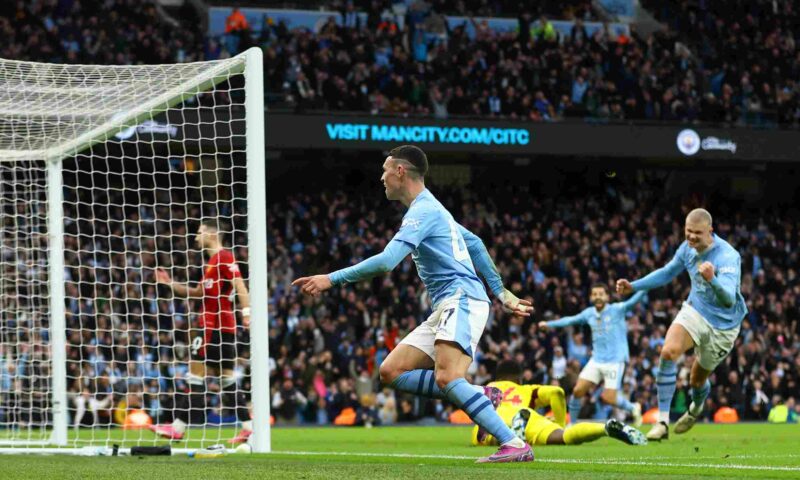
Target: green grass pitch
442 453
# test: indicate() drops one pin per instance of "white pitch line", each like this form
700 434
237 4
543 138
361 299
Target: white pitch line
731 466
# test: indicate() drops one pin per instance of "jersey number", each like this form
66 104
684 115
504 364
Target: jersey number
508 398
459 247
196 344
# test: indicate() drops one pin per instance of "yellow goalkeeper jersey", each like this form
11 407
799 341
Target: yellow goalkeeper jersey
534 396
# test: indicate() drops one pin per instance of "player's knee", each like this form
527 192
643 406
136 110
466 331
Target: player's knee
388 373
579 392
444 377
670 352
695 381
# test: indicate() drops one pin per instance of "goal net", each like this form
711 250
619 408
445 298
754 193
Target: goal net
106 175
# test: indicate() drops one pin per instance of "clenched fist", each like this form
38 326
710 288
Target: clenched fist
624 287
706 269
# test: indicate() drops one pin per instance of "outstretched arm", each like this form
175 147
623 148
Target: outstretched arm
631 302
488 270
179 289
394 253
565 321
390 257
659 277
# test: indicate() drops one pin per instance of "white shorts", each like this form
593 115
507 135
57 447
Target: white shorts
609 373
711 345
458 319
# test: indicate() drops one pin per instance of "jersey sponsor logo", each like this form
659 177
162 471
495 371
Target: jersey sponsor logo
727 270
412 222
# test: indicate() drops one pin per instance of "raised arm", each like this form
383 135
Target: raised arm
660 277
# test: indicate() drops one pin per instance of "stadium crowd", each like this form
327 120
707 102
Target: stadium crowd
692 71
128 342
328 350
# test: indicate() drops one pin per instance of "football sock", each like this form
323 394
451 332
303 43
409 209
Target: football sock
699 396
232 397
665 383
623 402
418 382
191 407
574 408
479 408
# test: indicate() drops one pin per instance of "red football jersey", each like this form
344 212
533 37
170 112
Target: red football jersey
218 292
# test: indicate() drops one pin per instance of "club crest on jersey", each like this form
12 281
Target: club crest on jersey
412 222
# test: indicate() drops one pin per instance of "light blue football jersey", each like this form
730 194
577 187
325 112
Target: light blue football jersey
727 271
440 253
609 330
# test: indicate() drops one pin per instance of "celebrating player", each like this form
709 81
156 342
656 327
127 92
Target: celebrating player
709 319
213 343
518 410
446 255
609 351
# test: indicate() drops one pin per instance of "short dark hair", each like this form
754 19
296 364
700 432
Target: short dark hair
508 370
601 285
413 155
211 224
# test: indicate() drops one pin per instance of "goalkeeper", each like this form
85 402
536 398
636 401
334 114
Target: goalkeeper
518 410
213 346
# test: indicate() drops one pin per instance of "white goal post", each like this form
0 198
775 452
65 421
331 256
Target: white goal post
106 173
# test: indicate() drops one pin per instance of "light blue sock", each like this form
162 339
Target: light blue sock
418 382
478 408
623 402
665 383
699 396
574 407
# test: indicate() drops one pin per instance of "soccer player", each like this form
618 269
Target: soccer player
433 359
708 321
213 343
518 410
609 351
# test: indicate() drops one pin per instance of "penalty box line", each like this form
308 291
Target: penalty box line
641 463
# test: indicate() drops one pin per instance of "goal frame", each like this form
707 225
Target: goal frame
252 69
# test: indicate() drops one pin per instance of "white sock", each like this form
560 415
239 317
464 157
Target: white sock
247 425
663 417
515 442
179 425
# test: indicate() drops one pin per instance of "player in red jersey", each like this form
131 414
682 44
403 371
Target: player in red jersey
213 344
